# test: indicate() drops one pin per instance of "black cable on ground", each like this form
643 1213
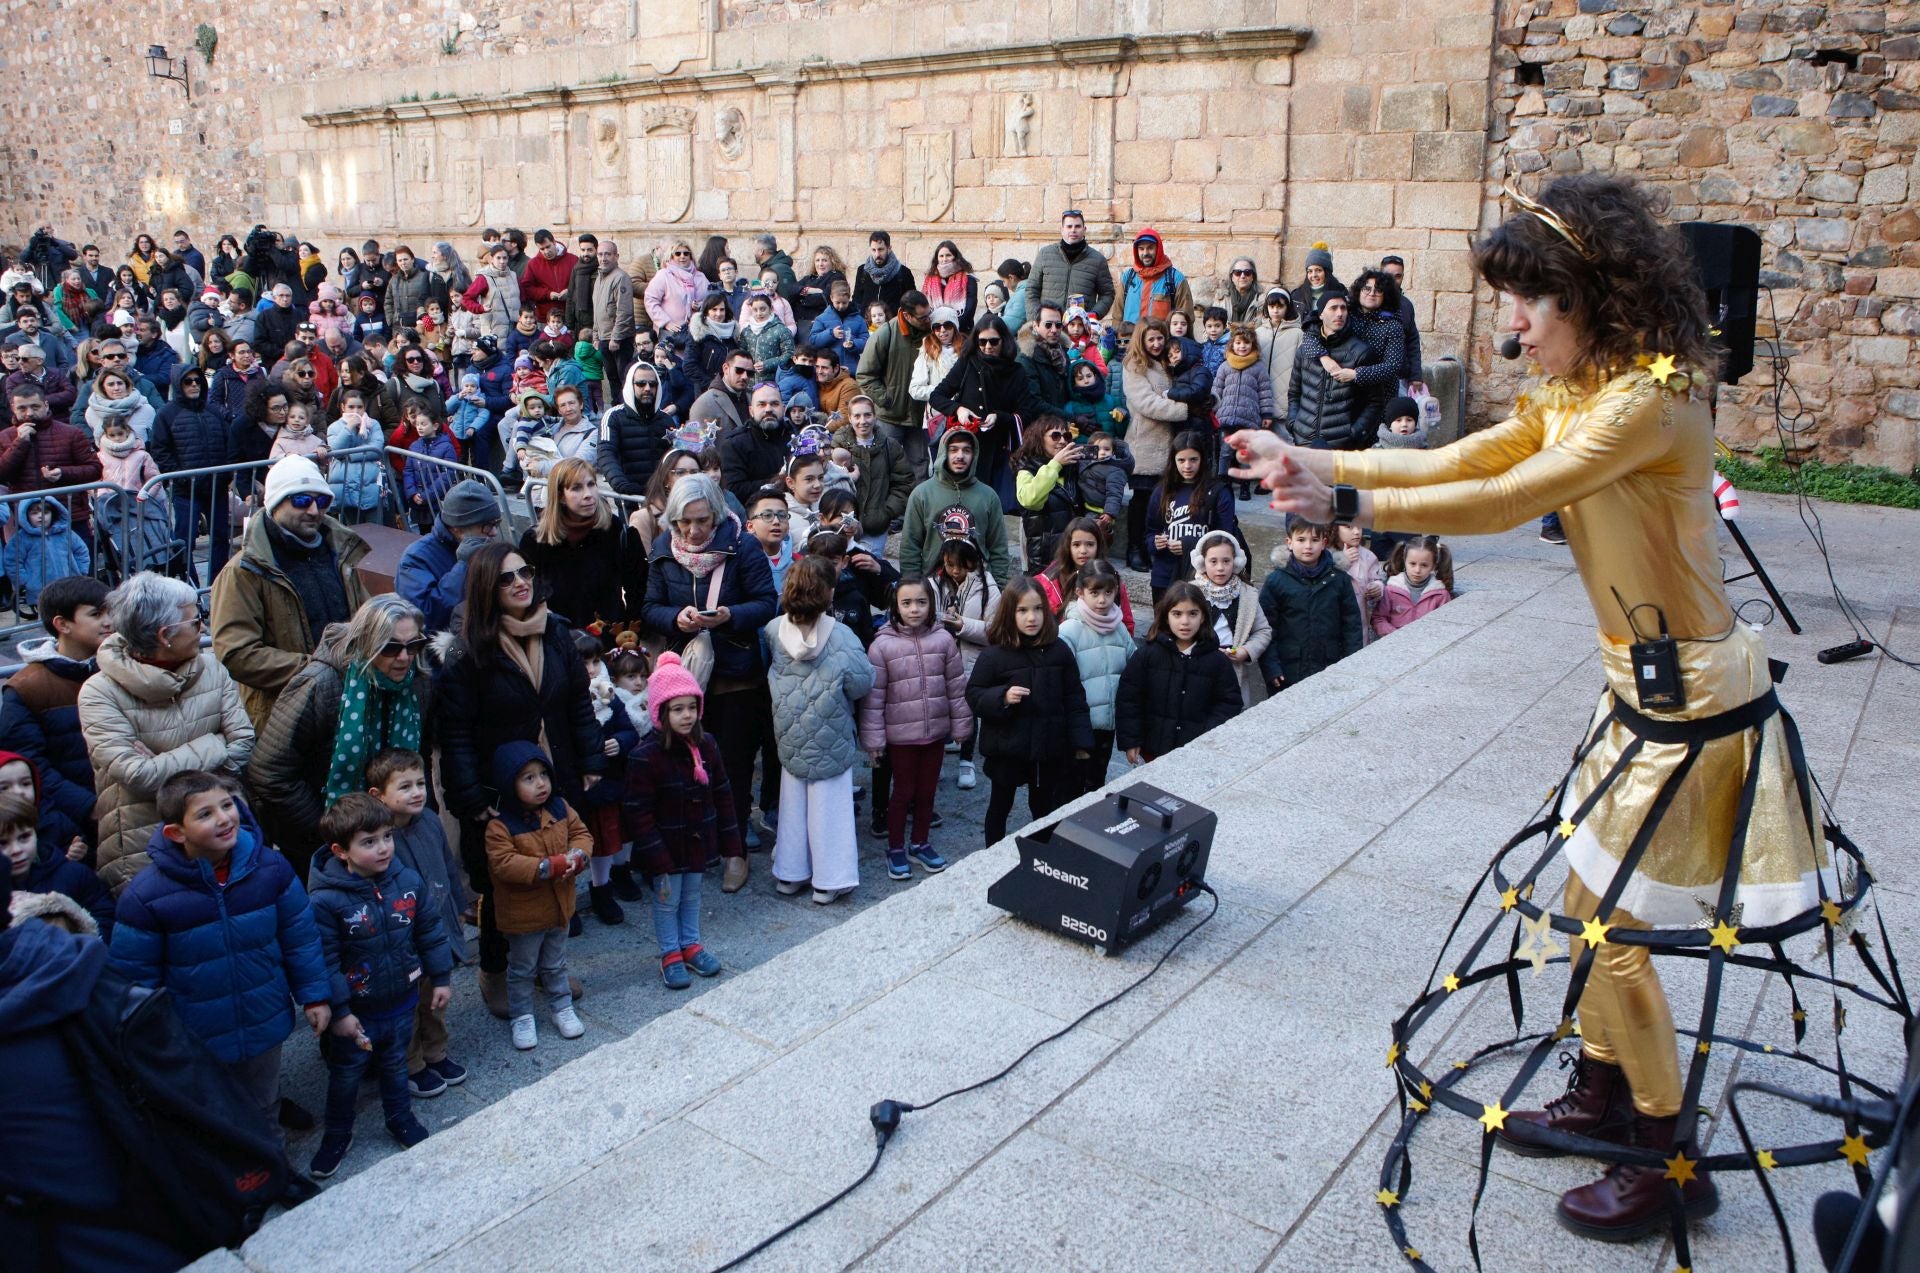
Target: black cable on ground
885 1115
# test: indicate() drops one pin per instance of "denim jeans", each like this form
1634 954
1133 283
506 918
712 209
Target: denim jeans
541 955
202 502
347 1063
676 910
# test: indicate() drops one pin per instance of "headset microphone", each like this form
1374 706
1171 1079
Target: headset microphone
1510 348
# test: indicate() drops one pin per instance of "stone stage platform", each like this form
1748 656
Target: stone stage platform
1233 1112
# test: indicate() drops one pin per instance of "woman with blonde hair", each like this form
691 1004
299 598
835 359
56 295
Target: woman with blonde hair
591 564
674 293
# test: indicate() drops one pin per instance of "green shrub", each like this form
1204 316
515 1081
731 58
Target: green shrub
1842 483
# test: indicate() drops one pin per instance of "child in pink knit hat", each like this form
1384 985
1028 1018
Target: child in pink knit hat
679 813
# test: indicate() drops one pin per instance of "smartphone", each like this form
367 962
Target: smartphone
708 614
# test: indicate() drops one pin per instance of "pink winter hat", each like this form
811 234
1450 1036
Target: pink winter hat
670 680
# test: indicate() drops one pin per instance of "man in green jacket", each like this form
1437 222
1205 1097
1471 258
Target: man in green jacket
951 504
1072 267
886 372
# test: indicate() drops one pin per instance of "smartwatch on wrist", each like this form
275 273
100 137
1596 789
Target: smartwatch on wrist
1346 505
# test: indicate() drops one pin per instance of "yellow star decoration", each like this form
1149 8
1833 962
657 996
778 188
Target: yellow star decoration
1459 1065
1410 1253
1854 1150
1393 1053
1387 1198
1509 899
1830 911
1417 1106
1766 1160
1566 829
1703 1047
1450 983
1538 945
1594 933
1679 1167
1662 368
1492 1117
1426 1090
1725 936
1799 1015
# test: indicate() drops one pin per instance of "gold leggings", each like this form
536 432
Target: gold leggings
1624 1017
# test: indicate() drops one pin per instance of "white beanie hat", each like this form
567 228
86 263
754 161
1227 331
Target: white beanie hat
291 476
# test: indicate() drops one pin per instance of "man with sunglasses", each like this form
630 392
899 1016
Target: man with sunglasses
1045 360
115 356
294 575
1071 267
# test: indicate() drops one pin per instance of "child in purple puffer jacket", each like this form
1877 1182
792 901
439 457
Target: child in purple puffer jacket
918 702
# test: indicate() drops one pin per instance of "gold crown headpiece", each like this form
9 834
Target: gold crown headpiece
1547 217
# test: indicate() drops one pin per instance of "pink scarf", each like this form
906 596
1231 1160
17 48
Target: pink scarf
699 562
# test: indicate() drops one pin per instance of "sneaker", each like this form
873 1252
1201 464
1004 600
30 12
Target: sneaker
427 1084
567 1022
450 1070
936 821
967 778
1552 535
767 823
898 867
787 888
751 838
701 960
673 971
828 896
930 862
953 747
409 1131
526 1036
332 1152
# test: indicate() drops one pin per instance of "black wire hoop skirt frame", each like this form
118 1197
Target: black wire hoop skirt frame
1835 913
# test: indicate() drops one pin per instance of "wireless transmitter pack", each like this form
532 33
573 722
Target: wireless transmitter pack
1112 872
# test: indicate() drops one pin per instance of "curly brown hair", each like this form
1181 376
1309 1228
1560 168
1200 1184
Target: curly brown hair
1634 290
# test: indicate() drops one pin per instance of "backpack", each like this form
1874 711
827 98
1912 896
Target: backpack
203 1166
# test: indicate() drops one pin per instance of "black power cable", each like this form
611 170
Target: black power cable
885 1115
1790 425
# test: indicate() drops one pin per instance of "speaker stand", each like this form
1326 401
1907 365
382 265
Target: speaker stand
1759 572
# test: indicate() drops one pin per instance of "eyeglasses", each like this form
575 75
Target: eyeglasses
771 515
303 375
987 342
1059 435
510 577
1243 273
196 623
309 499
119 357
393 649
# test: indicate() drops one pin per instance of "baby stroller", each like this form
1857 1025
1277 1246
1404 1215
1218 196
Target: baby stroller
136 535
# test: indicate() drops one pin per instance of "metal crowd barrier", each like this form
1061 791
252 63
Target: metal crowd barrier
206 510
513 524
29 561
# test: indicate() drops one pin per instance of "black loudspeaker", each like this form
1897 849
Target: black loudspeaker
1112 872
1726 260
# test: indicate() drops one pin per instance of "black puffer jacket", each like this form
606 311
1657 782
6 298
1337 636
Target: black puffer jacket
1167 698
1332 414
600 579
1048 725
751 456
485 702
189 433
632 445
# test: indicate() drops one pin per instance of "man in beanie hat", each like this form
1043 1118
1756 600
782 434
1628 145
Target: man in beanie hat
433 571
294 575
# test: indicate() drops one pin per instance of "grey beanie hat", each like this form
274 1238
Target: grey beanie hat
1322 258
469 503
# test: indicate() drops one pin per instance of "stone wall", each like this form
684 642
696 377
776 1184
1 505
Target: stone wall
1235 126
1801 120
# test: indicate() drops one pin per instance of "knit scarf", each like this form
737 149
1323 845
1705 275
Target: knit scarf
723 330
1105 624
693 749
419 384
881 274
698 562
116 406
1240 362
1054 351
1219 596
366 697
120 450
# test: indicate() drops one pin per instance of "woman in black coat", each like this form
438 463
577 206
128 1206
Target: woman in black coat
485 698
1178 684
984 393
591 565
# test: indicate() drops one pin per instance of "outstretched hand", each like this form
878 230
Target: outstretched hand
1290 473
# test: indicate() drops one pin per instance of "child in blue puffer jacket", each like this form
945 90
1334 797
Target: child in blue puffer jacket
382 936
43 548
220 921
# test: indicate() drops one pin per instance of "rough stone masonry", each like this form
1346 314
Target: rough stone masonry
1234 126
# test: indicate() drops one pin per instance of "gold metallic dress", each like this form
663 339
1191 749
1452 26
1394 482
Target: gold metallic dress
1627 464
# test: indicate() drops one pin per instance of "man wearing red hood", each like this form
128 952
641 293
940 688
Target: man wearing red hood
1151 287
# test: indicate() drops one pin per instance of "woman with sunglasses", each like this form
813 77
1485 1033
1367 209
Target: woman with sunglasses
1241 296
160 705
675 292
513 675
413 377
987 393
367 671
1046 475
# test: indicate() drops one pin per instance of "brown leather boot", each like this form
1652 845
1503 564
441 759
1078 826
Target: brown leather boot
1595 1104
1629 1202
493 992
736 876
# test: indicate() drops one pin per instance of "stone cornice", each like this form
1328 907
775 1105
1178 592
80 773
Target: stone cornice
1253 42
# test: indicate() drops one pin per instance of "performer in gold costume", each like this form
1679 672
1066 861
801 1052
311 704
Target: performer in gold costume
1619 441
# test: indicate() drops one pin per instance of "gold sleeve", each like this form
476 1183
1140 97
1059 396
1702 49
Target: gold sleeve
1483 454
1619 433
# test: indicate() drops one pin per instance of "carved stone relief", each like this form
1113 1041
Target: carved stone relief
927 175
669 132
608 145
1016 139
730 132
